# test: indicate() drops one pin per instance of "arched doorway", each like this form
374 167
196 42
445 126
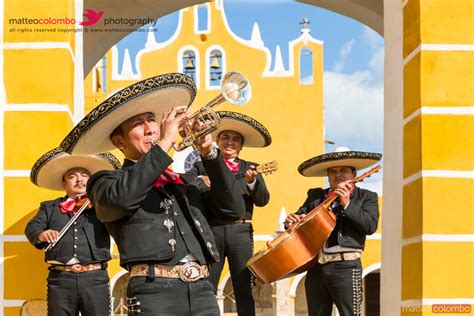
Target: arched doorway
119 295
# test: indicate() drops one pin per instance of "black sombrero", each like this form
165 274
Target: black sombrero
155 94
254 133
317 166
48 170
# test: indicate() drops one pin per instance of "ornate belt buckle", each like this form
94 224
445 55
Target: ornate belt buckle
190 272
77 268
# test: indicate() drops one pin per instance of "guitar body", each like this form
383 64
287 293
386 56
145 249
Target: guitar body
294 250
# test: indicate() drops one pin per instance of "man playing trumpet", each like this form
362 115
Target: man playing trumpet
159 222
78 279
235 240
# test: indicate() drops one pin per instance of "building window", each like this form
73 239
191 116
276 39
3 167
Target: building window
203 18
189 64
306 66
99 76
215 68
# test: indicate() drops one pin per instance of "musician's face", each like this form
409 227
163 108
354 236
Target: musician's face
135 136
230 143
74 181
337 175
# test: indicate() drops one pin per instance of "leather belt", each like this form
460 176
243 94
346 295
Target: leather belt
188 272
340 256
78 268
243 221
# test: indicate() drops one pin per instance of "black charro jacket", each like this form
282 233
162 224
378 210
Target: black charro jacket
353 224
134 210
49 216
259 196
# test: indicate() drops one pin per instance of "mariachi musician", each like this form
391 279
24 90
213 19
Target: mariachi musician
235 240
77 279
337 276
158 221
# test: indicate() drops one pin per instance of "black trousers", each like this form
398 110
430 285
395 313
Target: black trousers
337 282
236 243
70 293
165 296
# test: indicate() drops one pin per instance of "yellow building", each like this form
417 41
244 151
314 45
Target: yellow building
277 95
428 128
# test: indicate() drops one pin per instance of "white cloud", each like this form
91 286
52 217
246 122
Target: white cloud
344 53
353 110
354 102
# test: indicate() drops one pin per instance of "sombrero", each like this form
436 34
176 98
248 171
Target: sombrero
155 94
48 170
254 133
317 166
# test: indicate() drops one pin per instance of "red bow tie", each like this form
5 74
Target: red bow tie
233 166
68 206
168 176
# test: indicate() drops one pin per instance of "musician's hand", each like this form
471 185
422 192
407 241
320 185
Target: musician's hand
48 236
251 174
204 145
293 219
206 180
343 190
169 126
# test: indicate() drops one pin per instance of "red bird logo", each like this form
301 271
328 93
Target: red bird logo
92 16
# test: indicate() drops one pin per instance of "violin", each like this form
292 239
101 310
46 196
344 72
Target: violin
83 203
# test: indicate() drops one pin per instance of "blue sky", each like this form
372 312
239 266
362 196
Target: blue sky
353 63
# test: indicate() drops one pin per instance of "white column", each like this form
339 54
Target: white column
390 283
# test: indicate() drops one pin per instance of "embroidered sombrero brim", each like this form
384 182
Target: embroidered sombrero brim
48 170
254 133
317 166
156 95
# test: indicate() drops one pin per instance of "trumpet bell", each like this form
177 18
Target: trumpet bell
236 88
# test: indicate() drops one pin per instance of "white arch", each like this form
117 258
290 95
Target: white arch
115 278
222 284
208 65
371 268
295 283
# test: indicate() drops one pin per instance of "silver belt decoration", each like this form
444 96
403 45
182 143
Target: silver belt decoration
133 306
356 291
324 258
188 272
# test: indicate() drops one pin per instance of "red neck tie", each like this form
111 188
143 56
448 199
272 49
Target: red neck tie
68 206
233 166
168 176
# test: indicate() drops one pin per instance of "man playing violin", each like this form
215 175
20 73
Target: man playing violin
235 240
78 279
336 278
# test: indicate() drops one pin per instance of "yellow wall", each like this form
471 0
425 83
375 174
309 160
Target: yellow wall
438 151
38 76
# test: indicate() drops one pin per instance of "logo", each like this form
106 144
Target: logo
92 16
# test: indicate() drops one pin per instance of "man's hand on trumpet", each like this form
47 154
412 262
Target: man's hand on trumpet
169 126
204 145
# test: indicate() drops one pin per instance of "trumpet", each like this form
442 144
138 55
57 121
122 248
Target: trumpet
235 88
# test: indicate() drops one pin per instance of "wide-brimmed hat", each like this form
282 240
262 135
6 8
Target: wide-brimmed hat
48 170
317 166
156 95
253 132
